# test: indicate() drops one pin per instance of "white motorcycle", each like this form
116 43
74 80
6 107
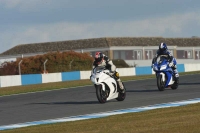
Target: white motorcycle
107 87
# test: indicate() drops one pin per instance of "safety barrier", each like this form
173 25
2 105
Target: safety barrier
27 79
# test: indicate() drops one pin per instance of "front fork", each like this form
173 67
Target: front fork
163 77
102 85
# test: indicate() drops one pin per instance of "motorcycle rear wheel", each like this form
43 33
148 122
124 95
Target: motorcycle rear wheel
101 95
175 85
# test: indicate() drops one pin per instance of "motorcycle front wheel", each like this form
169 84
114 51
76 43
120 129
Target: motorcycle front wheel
160 83
101 95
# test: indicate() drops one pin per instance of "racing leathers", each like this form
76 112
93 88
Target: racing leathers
108 64
171 59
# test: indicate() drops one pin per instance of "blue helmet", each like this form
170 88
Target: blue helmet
163 47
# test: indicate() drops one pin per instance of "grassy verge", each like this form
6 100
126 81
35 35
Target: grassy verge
66 84
184 119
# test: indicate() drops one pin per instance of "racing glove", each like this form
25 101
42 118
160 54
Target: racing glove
171 64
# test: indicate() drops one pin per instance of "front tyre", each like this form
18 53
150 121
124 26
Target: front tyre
160 83
101 95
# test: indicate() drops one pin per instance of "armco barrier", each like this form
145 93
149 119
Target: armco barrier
126 71
14 80
17 80
67 76
51 77
180 68
122 72
191 67
146 70
85 74
31 79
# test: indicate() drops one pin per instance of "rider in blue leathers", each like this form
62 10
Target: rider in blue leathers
163 50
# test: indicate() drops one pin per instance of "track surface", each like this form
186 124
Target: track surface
82 100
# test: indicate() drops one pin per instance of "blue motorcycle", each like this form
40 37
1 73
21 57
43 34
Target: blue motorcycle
164 73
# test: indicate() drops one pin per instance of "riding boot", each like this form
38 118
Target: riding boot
121 86
176 75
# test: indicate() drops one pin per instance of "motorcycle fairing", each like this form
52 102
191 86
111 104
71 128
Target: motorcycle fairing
101 78
161 67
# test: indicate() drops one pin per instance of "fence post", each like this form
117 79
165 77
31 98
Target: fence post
45 65
19 67
70 64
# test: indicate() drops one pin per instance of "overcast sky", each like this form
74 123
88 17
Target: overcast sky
33 21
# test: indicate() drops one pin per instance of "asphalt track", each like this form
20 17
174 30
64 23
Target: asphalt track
82 100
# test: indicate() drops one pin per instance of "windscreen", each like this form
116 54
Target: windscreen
98 69
161 58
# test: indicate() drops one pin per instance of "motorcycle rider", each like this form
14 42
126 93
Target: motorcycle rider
163 50
103 60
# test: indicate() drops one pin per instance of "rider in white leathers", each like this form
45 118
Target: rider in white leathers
103 60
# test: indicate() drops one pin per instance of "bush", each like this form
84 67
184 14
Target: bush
57 62
8 68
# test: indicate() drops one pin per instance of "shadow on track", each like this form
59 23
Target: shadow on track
141 90
189 83
59 103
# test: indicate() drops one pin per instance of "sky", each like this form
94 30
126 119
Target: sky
36 21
